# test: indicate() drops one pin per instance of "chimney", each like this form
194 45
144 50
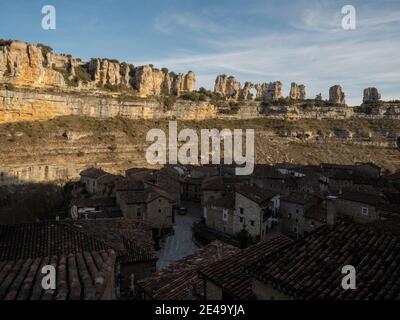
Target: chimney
331 214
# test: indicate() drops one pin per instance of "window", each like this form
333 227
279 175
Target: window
241 219
252 222
138 213
241 210
312 223
225 215
295 229
159 210
364 211
289 215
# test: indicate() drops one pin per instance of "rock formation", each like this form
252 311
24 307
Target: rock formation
336 95
227 87
247 95
273 91
25 64
297 92
371 95
36 66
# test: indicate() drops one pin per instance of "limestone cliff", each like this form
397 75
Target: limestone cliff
336 95
297 92
371 95
227 87
25 64
36 66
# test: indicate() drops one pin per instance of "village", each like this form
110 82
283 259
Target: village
185 232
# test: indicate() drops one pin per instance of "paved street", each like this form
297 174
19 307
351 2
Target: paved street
180 244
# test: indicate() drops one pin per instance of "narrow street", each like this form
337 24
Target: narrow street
180 244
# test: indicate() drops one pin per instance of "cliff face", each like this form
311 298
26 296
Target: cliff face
58 149
24 64
36 66
30 105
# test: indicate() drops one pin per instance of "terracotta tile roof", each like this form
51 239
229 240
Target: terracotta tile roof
229 273
219 183
254 193
227 202
175 281
129 184
215 183
131 239
93 173
44 239
109 179
93 202
82 275
372 198
145 195
267 171
299 198
311 268
393 176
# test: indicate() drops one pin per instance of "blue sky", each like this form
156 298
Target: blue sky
257 41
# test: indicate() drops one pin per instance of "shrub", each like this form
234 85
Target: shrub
168 102
5 42
82 74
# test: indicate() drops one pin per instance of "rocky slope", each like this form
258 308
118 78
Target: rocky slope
56 150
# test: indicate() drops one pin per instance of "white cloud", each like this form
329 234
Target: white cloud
313 50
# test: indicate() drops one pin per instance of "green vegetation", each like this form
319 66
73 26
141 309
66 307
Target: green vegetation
26 203
167 102
4 43
81 74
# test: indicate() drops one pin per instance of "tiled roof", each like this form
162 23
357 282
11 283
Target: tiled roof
254 193
299 198
311 268
93 173
78 276
93 202
215 183
267 171
131 239
129 184
229 273
175 281
371 198
227 202
145 195
109 179
44 239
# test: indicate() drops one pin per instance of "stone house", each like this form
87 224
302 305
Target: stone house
106 184
94 208
300 214
255 210
226 279
179 280
219 214
146 202
315 263
89 178
361 206
190 188
217 186
269 178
